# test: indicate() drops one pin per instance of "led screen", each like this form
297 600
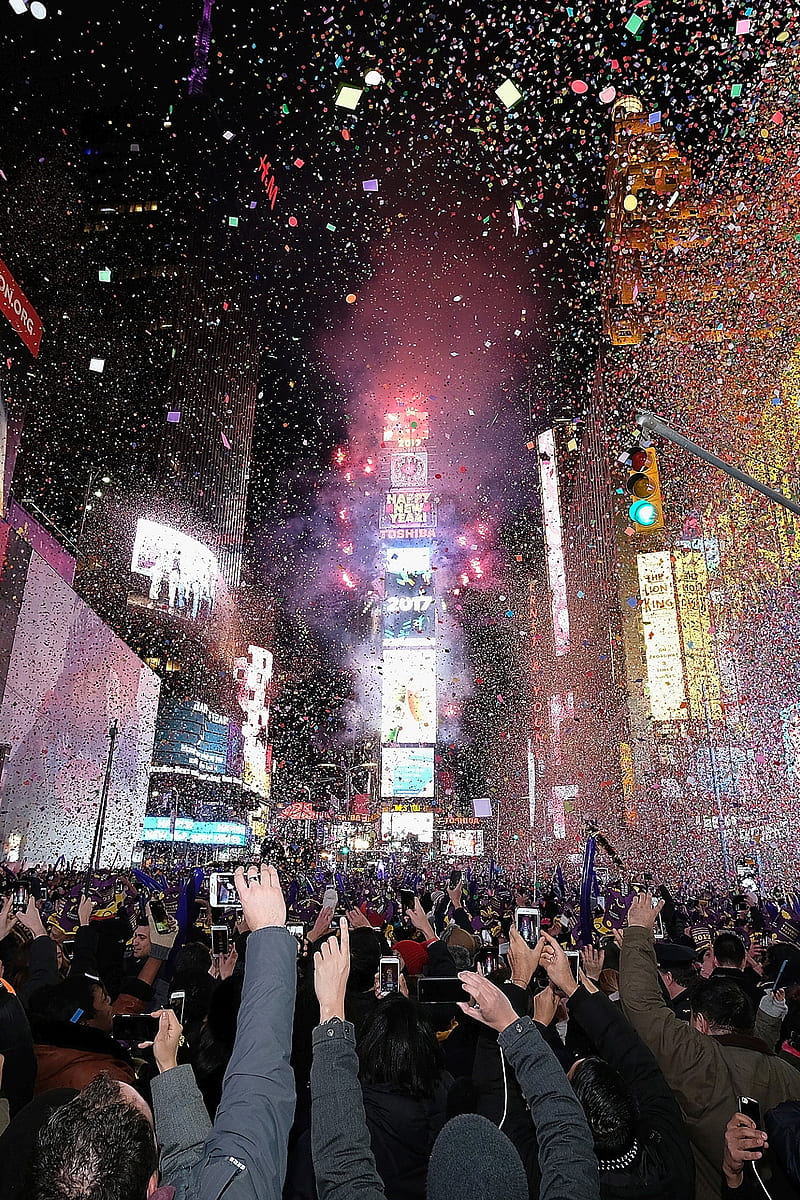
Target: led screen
466 843
252 675
181 572
409 695
409 611
397 825
200 833
190 736
407 771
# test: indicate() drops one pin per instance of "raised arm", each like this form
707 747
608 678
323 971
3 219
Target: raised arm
566 1154
344 1165
244 1156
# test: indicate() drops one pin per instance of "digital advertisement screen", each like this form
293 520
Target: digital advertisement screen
181 572
252 675
463 843
190 736
408 509
407 771
397 825
409 611
200 833
409 695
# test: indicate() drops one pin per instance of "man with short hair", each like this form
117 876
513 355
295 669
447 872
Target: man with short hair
677 973
101 1143
730 962
710 1062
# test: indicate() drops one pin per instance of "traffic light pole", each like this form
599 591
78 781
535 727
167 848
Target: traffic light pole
653 426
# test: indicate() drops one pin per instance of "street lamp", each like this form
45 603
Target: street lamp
97 476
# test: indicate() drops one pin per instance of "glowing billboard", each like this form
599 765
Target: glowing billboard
397 825
405 428
465 843
407 771
408 510
252 675
182 572
409 695
409 612
662 639
551 517
703 683
198 833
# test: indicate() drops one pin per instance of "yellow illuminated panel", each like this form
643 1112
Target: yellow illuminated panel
662 639
702 677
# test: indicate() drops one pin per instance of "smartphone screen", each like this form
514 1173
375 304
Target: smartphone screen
574 960
20 900
222 891
407 899
455 879
444 990
659 932
220 940
134 1029
389 975
297 931
159 916
177 1003
527 921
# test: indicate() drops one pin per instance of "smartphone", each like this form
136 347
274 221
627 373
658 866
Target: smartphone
491 962
134 1029
298 931
455 879
751 1108
20 900
655 900
222 891
160 919
220 940
389 975
486 937
177 1002
659 932
528 922
331 898
574 960
68 945
436 990
407 899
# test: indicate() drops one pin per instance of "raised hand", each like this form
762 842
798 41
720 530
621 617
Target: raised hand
331 969
262 899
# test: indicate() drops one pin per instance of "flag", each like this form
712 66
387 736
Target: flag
587 892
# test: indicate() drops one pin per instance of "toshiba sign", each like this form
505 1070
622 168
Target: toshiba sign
15 305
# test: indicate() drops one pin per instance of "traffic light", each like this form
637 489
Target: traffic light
646 509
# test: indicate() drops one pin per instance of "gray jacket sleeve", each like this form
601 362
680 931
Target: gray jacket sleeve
340 1145
769 1019
244 1156
182 1125
566 1151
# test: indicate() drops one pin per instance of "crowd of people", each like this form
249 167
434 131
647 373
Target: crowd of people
394 1033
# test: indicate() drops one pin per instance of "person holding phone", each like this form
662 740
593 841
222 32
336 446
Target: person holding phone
639 1135
710 1062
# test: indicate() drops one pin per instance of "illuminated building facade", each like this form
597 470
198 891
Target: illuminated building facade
407 528
702 329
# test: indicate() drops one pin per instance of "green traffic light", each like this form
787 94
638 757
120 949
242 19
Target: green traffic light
643 513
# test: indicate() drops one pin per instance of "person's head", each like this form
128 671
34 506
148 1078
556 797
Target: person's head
608 1104
99 1146
398 1049
77 1000
721 1006
365 956
729 950
140 943
193 957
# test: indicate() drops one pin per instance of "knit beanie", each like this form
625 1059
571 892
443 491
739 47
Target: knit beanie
413 954
471 1156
